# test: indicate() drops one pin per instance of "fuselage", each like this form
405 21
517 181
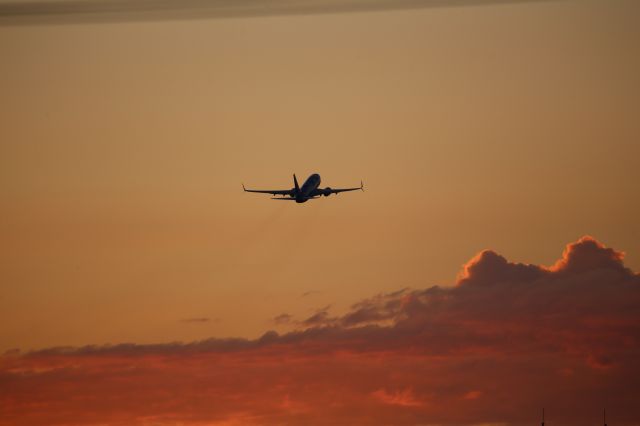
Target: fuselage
308 188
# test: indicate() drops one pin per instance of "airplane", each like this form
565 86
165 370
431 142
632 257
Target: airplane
301 194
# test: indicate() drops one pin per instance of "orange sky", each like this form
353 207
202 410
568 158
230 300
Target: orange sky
123 146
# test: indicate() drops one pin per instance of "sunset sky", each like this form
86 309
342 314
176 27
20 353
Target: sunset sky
489 268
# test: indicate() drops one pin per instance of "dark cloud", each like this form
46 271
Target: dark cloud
282 319
381 308
77 11
507 338
318 319
197 320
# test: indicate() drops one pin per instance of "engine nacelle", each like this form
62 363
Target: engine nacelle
327 191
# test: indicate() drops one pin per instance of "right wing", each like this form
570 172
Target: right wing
339 190
269 191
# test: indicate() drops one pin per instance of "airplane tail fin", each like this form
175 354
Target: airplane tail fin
295 182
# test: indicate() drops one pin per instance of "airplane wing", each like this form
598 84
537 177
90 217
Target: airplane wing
293 199
269 191
339 190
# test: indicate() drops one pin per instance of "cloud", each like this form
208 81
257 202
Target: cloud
404 398
197 320
282 319
320 318
506 339
15 12
471 395
588 254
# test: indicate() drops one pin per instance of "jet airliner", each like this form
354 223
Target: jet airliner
309 190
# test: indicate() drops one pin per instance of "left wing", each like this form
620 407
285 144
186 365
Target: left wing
269 191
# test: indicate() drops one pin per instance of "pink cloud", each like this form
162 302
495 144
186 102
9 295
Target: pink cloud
471 395
509 337
404 398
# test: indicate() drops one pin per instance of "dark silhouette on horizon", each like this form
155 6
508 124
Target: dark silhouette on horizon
308 191
604 417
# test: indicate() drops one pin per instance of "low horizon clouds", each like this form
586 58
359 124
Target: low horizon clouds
14 12
507 339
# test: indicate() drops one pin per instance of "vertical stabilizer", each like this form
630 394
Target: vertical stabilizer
295 182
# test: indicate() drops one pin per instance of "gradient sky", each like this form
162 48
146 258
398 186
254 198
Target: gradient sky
123 147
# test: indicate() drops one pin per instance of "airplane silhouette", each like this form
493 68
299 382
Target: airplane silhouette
308 191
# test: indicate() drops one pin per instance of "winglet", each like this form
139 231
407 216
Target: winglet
361 186
243 188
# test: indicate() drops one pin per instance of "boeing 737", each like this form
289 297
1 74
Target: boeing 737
308 191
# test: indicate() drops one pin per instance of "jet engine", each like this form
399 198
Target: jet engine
327 191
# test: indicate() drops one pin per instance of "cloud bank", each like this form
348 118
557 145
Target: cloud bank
16 12
508 339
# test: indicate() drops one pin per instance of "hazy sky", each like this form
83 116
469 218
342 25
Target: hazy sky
508 127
